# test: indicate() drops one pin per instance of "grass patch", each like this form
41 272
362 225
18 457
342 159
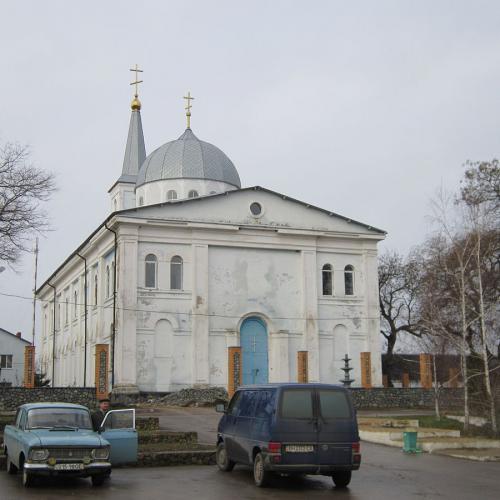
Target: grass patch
430 421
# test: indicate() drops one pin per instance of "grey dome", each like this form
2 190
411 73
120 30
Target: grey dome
188 158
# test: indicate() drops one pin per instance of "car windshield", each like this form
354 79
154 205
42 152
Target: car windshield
58 418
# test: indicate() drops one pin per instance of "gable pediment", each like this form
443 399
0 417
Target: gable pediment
234 208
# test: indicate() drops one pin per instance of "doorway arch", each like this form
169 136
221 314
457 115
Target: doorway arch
255 354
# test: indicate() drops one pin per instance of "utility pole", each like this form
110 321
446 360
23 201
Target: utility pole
34 291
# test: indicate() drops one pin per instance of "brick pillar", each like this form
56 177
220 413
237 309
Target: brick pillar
302 373
101 371
234 370
29 366
366 370
406 379
425 371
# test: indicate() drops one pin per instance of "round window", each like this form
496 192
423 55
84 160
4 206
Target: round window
256 208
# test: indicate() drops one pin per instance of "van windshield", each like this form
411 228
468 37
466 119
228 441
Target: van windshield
297 403
334 404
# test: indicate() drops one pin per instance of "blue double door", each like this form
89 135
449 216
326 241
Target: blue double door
254 347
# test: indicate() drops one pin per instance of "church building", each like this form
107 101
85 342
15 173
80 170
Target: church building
190 266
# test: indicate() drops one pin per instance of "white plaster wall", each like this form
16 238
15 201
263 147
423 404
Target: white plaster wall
156 192
10 344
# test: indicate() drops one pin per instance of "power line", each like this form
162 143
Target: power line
210 315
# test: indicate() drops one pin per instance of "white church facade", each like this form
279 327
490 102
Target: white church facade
189 264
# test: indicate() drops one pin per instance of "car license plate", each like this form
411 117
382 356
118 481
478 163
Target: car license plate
68 466
299 448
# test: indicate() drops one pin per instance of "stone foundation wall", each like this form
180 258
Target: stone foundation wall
12 397
396 397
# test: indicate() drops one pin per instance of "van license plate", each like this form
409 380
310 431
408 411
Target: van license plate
68 466
299 448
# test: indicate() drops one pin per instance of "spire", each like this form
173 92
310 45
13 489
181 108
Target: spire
135 151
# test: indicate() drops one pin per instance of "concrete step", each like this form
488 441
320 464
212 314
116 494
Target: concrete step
162 458
382 434
387 422
479 455
442 443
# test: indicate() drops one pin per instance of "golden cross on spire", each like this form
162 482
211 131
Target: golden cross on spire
188 108
136 83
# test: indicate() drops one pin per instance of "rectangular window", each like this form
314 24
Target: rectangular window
150 278
334 404
297 403
6 361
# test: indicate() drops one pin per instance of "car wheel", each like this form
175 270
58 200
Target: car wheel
260 475
222 459
342 478
11 468
99 480
28 479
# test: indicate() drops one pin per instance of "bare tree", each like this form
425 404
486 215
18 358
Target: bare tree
23 189
398 294
480 194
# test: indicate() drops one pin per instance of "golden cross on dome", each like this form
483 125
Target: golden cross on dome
188 108
136 83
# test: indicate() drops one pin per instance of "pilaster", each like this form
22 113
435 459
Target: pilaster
310 312
200 320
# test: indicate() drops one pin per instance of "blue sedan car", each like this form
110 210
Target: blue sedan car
57 439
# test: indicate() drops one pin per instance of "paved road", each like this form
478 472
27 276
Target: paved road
385 474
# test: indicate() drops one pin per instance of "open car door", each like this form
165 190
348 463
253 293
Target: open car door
118 428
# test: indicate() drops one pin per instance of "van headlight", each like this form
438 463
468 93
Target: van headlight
39 455
100 453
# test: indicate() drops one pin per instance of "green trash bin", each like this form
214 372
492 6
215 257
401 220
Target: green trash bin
410 442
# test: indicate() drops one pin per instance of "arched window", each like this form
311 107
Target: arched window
75 305
96 284
193 194
171 195
176 273
349 280
327 275
141 201
151 264
108 282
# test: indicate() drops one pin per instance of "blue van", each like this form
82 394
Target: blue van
290 429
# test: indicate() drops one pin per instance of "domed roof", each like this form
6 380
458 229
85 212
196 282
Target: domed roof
188 157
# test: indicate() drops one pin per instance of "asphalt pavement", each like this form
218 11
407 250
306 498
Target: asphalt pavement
386 473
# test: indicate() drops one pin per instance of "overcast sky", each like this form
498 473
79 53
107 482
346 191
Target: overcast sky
362 108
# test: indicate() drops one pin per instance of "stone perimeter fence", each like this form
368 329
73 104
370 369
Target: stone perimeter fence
12 397
364 399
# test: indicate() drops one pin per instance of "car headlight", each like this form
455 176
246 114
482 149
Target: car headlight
100 453
39 455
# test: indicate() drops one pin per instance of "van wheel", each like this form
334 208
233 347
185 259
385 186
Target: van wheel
261 476
342 478
222 459
11 468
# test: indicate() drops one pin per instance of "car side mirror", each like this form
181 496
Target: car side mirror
220 408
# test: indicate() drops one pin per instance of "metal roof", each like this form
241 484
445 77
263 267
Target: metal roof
188 158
